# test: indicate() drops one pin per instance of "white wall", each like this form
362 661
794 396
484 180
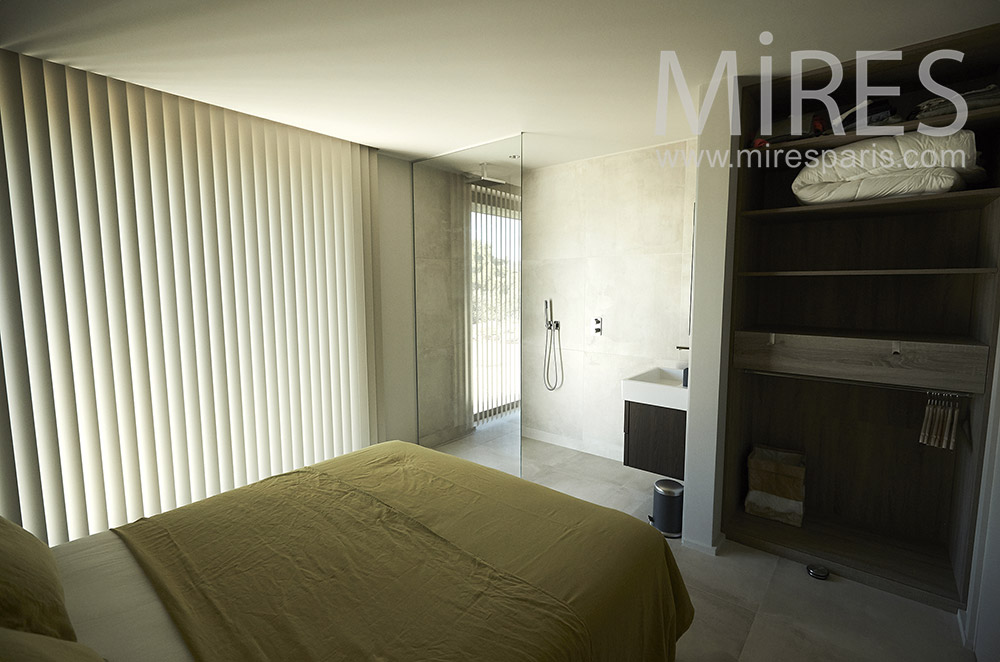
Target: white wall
606 237
986 640
981 622
397 380
706 409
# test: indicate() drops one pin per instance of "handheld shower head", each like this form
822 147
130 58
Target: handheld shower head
553 350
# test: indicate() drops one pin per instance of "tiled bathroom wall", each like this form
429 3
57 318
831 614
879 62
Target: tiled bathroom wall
608 237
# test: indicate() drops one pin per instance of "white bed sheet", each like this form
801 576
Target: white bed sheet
113 606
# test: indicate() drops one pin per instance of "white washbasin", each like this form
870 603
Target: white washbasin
660 387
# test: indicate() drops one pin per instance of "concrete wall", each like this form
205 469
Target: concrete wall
397 390
607 237
439 248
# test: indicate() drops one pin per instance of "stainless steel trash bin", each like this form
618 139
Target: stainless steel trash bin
668 507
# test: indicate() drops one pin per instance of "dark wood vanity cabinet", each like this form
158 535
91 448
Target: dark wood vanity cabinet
654 439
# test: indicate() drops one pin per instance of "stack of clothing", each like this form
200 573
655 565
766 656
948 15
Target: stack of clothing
984 97
878 112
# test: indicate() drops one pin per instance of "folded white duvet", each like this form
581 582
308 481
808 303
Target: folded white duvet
907 164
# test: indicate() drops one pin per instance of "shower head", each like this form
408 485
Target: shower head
483 179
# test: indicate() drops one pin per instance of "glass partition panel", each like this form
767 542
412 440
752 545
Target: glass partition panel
467 264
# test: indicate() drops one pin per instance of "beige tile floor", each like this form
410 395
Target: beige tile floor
751 606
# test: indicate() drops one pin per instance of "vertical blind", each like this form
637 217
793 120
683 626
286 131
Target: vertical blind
495 309
184 299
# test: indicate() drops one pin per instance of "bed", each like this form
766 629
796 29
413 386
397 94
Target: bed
394 552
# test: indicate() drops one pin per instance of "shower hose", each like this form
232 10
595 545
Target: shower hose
553 373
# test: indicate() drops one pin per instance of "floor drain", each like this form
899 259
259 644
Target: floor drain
818 571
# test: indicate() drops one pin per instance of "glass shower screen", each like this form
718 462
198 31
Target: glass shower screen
467 279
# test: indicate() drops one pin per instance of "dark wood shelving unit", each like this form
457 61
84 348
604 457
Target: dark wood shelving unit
842 319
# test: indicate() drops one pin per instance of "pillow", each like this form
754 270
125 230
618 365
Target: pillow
31 647
31 595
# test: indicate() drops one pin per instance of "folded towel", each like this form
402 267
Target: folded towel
774 507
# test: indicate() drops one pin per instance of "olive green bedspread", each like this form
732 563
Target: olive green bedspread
397 552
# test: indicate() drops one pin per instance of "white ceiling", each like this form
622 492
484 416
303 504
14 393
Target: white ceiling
421 78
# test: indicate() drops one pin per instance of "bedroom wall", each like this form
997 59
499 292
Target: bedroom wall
397 383
709 367
978 622
986 636
605 237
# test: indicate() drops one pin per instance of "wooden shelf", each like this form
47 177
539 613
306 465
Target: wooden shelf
869 334
934 366
971 199
871 272
921 572
976 118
